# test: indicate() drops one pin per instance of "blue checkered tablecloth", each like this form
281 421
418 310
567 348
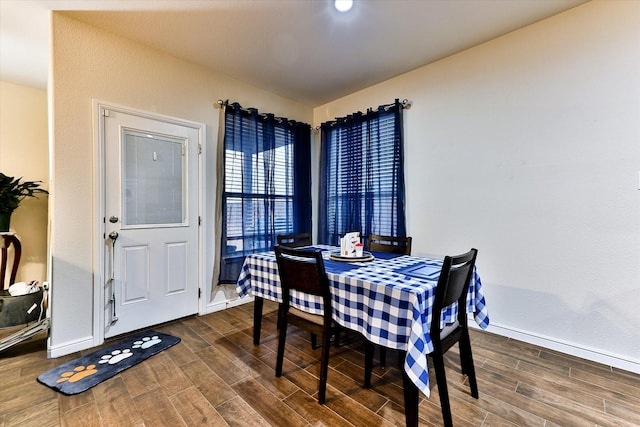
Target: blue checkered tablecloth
382 299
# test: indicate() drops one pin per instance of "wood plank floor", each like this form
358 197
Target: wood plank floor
215 376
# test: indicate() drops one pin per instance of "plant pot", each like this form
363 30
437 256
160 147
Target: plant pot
5 219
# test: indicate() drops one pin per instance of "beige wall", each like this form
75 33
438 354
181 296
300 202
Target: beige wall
528 148
88 64
24 152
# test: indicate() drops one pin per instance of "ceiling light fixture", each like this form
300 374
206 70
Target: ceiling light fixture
343 5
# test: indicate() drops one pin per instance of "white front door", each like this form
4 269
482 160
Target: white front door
151 221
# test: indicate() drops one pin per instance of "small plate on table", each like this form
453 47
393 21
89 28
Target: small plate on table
366 256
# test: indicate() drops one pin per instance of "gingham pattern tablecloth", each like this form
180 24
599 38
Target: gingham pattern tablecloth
379 299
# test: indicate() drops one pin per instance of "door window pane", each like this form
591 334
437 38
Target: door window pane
154 183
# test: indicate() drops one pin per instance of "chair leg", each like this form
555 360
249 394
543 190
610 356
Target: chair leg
411 398
466 359
368 362
324 366
257 319
383 357
282 336
438 366
336 342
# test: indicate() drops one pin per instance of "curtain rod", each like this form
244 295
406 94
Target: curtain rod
225 103
405 104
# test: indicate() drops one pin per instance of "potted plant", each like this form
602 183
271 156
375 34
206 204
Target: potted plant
12 192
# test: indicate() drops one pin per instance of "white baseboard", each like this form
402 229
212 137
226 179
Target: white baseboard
609 359
222 305
70 347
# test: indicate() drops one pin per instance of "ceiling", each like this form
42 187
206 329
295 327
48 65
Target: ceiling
300 49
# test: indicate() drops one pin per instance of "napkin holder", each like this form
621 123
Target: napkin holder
348 244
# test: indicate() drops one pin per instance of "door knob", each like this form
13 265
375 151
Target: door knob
113 235
113 219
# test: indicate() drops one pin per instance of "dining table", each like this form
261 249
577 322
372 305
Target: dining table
388 299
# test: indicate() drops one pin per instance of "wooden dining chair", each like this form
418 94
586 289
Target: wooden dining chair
392 245
453 286
298 240
303 270
294 240
389 244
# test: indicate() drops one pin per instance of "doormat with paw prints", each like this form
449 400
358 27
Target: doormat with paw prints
84 372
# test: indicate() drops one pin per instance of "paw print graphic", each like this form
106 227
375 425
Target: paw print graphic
146 342
78 373
115 356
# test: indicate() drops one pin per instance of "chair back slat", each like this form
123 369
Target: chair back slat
302 270
457 284
389 244
295 240
453 285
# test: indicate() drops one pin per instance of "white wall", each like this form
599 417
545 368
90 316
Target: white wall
88 64
24 152
528 148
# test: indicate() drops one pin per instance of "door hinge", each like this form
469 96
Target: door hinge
199 220
199 293
199 148
105 113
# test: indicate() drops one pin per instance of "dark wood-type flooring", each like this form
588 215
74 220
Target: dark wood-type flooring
216 376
